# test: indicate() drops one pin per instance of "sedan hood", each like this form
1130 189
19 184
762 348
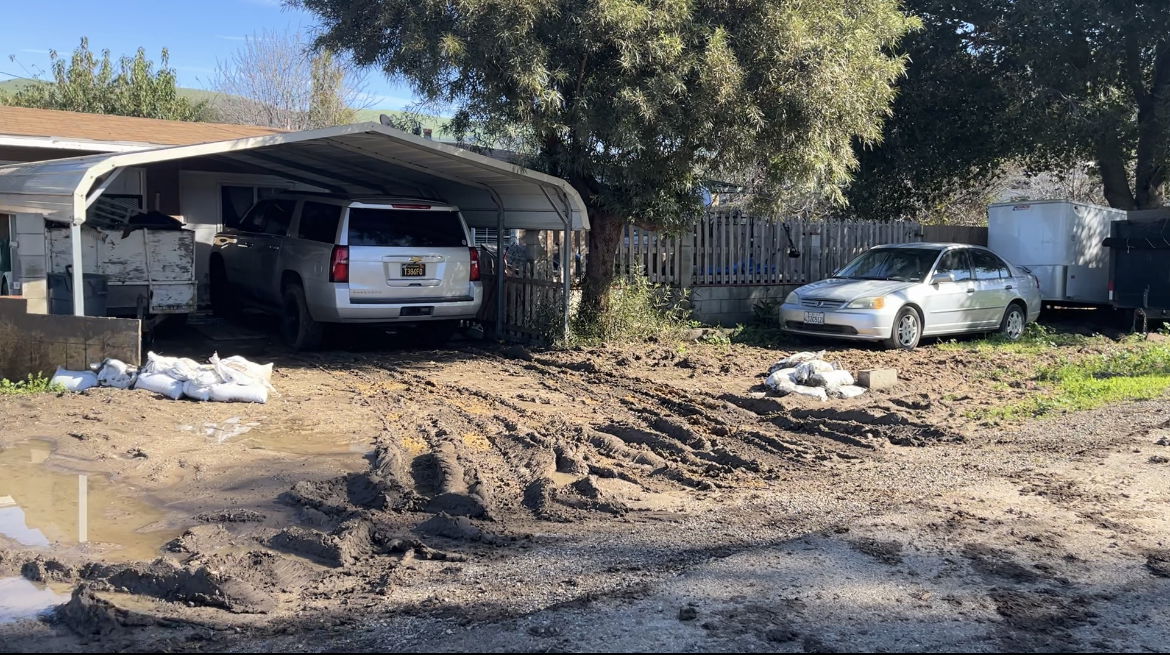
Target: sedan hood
845 290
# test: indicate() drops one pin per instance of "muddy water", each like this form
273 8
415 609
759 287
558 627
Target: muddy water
42 506
21 599
288 436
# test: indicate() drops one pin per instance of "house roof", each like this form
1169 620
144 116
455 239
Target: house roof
105 133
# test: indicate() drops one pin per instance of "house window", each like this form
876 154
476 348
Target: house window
236 200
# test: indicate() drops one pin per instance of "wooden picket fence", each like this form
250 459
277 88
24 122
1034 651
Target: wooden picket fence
734 249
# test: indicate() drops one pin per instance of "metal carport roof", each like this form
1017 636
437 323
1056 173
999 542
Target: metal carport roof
363 159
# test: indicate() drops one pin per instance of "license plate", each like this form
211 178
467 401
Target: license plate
414 270
814 318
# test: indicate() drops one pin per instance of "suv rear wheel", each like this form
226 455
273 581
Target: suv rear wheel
297 327
223 299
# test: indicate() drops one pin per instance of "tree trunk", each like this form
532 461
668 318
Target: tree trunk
605 233
1111 164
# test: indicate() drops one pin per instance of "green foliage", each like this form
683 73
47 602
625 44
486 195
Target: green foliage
132 87
637 102
1051 84
1140 372
717 337
32 384
766 312
637 311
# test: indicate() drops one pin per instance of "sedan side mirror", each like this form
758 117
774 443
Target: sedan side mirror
942 277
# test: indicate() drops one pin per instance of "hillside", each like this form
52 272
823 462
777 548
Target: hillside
435 123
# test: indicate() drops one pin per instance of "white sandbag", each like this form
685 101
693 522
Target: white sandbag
160 383
197 391
796 359
806 370
179 368
74 380
230 392
846 391
781 380
241 371
117 374
831 379
811 392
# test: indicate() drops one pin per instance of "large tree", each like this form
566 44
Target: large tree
276 79
1051 84
88 83
635 102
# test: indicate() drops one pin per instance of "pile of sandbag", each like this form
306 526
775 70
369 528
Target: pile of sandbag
231 379
808 374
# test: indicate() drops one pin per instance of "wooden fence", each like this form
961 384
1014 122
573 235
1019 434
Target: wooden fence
733 249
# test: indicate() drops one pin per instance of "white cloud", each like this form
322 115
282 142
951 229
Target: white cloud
34 51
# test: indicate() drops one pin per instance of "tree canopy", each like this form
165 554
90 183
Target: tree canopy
1052 84
636 102
88 83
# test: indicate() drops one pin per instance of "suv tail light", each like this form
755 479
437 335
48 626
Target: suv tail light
339 264
474 277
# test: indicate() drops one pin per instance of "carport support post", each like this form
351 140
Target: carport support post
78 269
566 259
500 304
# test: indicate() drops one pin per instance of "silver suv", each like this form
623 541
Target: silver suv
320 259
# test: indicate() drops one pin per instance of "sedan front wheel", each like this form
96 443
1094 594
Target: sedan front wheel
907 330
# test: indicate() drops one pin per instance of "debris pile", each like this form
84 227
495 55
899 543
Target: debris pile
231 379
808 374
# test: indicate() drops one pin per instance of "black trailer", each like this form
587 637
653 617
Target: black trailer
1140 277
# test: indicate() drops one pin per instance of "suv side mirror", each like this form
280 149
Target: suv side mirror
942 277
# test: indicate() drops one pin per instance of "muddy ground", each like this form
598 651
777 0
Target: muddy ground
625 498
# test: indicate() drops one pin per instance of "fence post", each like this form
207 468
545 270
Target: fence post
686 258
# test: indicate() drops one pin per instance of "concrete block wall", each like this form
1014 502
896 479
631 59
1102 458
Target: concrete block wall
39 343
728 306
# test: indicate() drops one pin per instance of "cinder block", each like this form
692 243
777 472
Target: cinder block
878 378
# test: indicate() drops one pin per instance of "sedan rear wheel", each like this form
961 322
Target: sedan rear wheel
907 330
1012 325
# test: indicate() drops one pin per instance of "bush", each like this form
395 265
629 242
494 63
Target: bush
637 311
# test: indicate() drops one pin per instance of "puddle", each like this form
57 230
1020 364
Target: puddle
21 599
42 507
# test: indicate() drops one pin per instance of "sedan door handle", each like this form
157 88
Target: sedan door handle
970 291
1009 287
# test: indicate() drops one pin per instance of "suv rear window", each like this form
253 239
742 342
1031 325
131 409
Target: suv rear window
405 228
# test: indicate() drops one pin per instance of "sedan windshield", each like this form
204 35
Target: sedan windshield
901 264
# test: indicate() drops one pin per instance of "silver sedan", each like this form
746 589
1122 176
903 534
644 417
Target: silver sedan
898 294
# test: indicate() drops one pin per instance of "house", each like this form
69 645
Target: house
30 135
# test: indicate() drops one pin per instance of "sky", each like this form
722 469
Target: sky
197 33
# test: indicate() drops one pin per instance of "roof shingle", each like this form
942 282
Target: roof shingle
22 121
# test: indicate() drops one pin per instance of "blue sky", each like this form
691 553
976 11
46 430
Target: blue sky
196 32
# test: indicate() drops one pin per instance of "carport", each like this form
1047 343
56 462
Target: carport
362 159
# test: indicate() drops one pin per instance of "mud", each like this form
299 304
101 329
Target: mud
484 499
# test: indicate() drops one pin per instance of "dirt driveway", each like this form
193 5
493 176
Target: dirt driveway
632 498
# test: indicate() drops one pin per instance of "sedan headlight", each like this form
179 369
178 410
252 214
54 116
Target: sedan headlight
792 299
867 303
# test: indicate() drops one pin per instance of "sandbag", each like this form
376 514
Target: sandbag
847 391
230 392
117 374
197 391
806 370
782 378
811 392
160 383
831 379
74 380
179 368
241 371
796 359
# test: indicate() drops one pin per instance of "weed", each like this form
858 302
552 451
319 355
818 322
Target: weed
766 312
32 384
637 310
1135 373
1036 338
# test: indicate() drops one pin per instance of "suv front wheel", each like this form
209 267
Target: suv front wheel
297 327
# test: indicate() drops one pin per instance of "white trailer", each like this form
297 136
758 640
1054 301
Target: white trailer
150 272
1061 242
